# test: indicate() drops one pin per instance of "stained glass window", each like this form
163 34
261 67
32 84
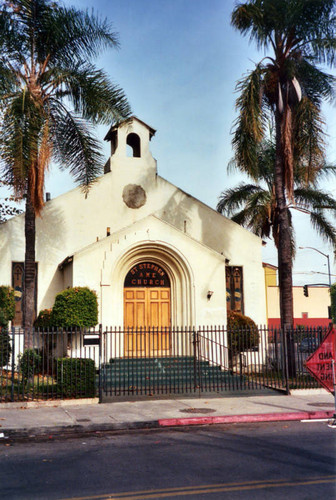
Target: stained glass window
234 289
17 284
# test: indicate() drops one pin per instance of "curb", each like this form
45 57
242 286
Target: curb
236 419
55 403
308 392
76 430
67 431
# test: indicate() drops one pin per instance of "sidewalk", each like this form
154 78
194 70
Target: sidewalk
54 418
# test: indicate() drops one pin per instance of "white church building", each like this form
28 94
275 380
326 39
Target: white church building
155 255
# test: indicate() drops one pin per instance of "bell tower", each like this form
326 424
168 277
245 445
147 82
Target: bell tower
130 147
131 165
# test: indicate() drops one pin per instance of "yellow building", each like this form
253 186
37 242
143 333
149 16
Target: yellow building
309 311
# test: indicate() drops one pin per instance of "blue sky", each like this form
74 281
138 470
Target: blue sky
178 63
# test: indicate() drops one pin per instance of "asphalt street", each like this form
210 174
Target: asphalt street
246 461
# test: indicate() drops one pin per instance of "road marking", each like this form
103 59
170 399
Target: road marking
316 420
208 488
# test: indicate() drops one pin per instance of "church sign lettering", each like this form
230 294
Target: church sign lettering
147 274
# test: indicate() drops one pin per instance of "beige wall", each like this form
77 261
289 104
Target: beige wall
316 304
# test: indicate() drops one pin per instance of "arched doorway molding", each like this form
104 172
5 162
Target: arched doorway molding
178 269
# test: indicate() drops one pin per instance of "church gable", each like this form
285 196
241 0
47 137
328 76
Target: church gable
129 191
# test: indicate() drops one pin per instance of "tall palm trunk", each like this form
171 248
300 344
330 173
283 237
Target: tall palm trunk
30 271
285 258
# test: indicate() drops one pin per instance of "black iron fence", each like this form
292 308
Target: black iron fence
53 364
114 362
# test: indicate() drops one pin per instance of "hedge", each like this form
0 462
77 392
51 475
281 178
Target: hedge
30 363
76 377
5 348
7 313
75 308
7 305
43 320
242 332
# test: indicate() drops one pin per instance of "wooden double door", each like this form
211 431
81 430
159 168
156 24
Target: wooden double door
147 321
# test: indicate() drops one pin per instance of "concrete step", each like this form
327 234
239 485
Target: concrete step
156 369
169 360
121 381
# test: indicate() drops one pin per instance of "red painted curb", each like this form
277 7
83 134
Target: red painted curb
235 419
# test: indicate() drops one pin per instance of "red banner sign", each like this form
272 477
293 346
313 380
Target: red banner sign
320 365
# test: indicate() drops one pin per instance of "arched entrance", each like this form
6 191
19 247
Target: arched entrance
147 310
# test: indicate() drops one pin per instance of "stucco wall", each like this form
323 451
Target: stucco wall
316 304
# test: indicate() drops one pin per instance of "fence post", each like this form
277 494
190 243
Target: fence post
285 358
13 363
195 344
100 363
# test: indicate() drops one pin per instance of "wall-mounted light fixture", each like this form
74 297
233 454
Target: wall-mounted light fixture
227 261
209 294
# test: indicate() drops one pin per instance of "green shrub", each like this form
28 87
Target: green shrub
7 305
76 377
30 363
43 320
3 321
333 302
7 313
242 333
5 348
75 308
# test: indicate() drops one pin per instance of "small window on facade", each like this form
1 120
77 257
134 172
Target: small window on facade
133 143
234 289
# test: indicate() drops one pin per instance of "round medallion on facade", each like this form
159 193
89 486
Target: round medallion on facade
134 196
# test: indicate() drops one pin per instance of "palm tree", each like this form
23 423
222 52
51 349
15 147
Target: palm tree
46 66
289 87
253 205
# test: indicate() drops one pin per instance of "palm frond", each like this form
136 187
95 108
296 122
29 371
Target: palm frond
65 33
12 35
324 48
250 124
8 83
317 85
232 199
255 219
75 147
253 19
311 199
243 217
308 137
90 90
323 227
20 136
327 171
